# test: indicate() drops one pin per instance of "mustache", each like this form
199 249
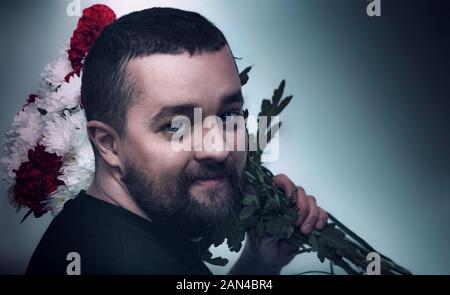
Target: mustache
209 170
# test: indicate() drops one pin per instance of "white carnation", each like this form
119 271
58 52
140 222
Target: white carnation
66 135
55 72
57 199
78 170
63 131
67 96
25 133
28 125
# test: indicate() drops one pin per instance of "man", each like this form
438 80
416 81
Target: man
149 205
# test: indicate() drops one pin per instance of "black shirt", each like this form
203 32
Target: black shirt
112 240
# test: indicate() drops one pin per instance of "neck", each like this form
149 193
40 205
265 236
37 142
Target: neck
109 188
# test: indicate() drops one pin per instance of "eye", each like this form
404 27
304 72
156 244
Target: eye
174 127
230 117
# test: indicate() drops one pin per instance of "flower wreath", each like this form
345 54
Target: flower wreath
47 154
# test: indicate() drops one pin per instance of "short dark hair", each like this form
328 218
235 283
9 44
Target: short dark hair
107 90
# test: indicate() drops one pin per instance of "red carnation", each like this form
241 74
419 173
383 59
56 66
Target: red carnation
90 25
36 179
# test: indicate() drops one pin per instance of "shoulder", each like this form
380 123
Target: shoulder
93 237
106 242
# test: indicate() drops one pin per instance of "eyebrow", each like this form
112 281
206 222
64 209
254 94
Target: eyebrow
234 97
187 109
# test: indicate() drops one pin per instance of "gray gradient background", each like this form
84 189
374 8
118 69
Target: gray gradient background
367 132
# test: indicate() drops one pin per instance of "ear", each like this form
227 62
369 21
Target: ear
107 140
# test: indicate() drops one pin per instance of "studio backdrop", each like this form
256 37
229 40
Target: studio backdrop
367 131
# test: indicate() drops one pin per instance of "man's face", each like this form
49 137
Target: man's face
197 189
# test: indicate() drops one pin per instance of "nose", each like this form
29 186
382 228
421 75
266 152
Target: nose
213 145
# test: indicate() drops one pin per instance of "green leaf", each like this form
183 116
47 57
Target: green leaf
243 76
249 176
247 211
321 253
245 113
265 107
207 257
289 231
291 216
297 239
251 200
26 215
235 236
278 93
283 104
250 222
272 203
313 242
270 133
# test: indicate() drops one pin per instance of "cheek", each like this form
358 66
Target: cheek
236 138
239 154
239 158
153 153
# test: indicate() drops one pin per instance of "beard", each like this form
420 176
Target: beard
169 200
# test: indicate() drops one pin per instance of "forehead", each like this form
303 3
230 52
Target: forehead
200 79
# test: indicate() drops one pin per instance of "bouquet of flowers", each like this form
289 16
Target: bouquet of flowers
47 154
267 212
48 160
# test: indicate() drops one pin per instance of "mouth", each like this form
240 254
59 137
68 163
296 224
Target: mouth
210 181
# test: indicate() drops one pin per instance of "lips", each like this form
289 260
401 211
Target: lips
210 181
